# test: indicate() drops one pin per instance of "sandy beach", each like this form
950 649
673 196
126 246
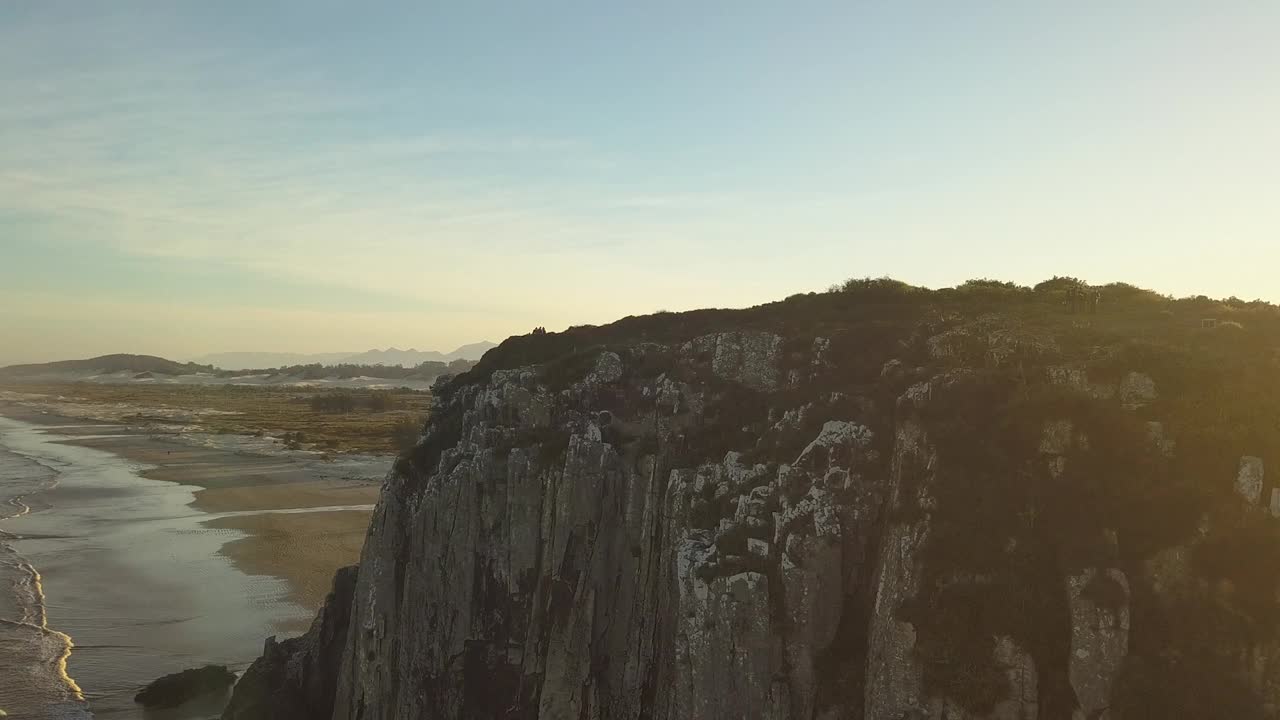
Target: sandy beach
283 521
302 548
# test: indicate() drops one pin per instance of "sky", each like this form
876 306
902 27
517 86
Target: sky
178 178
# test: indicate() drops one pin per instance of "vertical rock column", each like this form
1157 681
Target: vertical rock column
1099 603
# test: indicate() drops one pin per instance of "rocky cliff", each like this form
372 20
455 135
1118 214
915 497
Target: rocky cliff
877 503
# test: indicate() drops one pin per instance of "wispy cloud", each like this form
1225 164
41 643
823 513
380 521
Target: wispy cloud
556 176
194 154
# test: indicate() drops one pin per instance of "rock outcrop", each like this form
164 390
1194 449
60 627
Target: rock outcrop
1099 637
840 506
174 690
295 679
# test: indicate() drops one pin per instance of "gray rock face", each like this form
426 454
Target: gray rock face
1057 437
894 675
1023 702
1137 390
538 570
729 525
1158 437
174 690
1249 479
1077 379
595 580
295 679
1099 602
750 358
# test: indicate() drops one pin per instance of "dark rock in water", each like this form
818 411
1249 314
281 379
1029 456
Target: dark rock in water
174 690
295 679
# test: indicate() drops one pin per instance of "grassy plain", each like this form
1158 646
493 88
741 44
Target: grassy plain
279 412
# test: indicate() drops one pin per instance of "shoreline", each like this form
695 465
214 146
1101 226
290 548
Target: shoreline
160 552
301 548
297 547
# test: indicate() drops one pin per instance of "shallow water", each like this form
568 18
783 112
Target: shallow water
118 569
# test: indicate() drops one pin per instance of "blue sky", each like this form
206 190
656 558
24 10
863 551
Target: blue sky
181 177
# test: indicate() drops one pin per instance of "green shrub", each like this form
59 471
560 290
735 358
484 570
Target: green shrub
881 287
337 401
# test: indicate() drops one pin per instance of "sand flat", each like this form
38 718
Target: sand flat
135 578
284 496
303 548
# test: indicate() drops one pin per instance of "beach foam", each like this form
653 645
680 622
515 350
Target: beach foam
113 581
34 664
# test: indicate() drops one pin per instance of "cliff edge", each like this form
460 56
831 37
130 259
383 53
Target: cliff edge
880 503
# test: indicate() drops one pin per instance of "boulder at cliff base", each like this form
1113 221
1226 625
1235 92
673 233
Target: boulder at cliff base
176 689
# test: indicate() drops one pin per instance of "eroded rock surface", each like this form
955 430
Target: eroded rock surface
178 688
1249 479
945 515
1099 601
295 679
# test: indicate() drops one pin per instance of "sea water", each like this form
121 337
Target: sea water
109 580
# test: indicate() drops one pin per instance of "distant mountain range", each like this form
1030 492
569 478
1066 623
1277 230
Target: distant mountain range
391 356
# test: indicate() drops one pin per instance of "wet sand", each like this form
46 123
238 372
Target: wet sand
276 519
302 494
302 548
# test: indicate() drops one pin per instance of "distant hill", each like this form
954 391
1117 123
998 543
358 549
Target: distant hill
474 351
391 356
106 364
147 369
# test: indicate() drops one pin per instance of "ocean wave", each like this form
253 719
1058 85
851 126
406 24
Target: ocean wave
35 653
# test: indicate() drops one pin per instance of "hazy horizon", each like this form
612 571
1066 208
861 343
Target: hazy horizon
182 178
326 356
